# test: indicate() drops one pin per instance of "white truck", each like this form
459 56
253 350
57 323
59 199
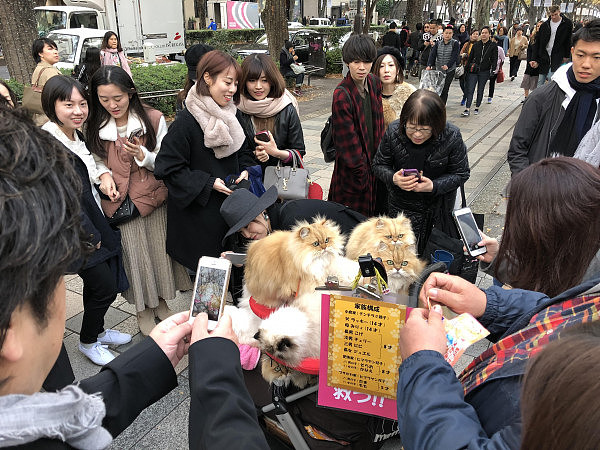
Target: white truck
137 22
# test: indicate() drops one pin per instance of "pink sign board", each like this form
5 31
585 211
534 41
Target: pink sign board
334 397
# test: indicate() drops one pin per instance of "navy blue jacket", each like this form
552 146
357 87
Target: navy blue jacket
432 409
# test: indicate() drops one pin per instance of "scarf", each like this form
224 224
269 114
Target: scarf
222 130
579 115
111 57
69 415
267 107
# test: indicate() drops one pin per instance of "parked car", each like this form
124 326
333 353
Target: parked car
344 38
72 44
342 22
303 40
295 25
319 22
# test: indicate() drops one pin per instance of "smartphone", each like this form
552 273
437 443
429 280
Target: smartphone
236 258
468 231
210 289
137 133
263 136
408 172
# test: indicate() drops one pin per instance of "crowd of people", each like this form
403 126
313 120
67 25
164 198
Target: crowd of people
100 186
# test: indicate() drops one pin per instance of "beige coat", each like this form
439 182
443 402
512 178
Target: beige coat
393 106
44 71
515 46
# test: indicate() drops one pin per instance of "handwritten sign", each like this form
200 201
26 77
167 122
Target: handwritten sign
346 396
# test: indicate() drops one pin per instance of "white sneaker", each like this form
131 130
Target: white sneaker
114 337
98 353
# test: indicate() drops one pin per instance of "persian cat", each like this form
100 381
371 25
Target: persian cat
402 265
288 264
365 238
291 334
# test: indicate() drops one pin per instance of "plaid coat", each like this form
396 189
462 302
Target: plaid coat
353 183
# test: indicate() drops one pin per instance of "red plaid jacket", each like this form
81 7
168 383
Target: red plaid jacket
353 183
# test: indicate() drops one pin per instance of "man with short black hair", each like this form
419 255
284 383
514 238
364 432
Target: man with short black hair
443 57
553 46
556 116
392 38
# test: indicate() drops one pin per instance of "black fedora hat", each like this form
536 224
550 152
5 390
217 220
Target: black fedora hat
242 207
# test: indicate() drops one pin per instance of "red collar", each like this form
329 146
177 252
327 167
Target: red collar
261 311
308 365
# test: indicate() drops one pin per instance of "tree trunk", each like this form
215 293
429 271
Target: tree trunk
414 12
370 6
17 33
482 14
201 11
274 17
358 25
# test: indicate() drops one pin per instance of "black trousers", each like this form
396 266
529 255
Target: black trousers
99 291
447 82
515 62
492 85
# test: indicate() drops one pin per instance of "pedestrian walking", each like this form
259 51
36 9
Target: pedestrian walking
412 54
464 56
481 62
517 52
111 52
392 38
497 70
443 57
530 78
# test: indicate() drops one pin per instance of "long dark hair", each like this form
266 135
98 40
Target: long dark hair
99 116
11 94
107 36
91 63
552 230
253 66
561 383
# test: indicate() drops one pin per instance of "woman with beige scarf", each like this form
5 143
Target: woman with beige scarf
266 105
203 157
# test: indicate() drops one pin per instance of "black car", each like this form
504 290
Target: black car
306 43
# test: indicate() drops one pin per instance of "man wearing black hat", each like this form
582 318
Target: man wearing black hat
192 58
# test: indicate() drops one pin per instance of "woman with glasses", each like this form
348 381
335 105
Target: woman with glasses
422 159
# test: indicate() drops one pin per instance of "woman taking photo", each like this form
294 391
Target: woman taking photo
65 103
204 147
389 67
126 136
112 53
542 251
45 54
422 140
266 105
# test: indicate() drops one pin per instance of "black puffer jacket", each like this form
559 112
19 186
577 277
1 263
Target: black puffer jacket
287 132
446 165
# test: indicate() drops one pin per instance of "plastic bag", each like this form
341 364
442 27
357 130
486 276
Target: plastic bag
432 80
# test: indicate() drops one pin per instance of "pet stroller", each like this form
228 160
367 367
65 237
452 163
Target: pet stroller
291 418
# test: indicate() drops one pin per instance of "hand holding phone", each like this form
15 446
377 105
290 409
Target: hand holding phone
468 230
263 136
409 172
210 289
137 133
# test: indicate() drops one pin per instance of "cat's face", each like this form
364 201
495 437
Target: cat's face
319 241
400 262
395 231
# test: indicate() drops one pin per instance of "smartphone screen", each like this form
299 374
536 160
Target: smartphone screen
236 258
262 136
209 291
469 231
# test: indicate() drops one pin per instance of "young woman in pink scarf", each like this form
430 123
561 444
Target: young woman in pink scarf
266 105
112 53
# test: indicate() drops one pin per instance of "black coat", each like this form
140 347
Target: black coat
195 227
97 229
392 39
561 48
287 133
446 165
221 411
489 61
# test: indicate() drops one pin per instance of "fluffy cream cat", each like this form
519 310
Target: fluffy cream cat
288 264
402 265
365 238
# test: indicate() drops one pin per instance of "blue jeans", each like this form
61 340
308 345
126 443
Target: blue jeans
479 79
543 77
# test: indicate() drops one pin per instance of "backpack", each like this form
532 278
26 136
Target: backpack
327 146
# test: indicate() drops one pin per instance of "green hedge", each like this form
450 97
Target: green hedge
334 58
146 79
223 39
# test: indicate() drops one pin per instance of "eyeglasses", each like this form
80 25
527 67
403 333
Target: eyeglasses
411 129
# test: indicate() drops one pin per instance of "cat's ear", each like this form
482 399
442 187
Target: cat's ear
304 232
379 224
382 246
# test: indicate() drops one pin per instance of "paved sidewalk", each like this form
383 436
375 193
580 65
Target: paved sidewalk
164 425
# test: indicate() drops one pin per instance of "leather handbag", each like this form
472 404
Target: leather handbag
126 212
500 77
32 96
523 54
292 182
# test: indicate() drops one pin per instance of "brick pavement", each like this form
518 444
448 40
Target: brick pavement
164 425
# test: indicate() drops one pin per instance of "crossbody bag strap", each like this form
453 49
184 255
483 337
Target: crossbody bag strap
39 76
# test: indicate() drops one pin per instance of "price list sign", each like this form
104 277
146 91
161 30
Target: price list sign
363 352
